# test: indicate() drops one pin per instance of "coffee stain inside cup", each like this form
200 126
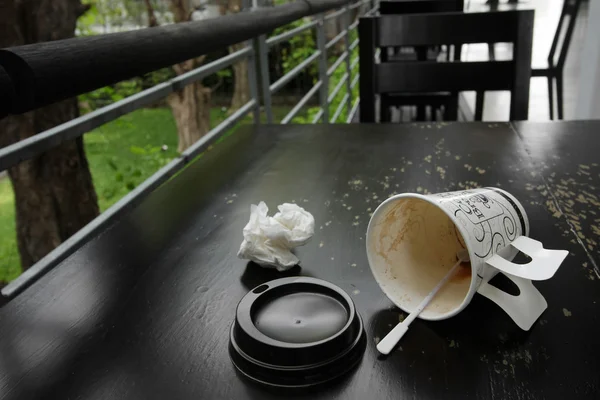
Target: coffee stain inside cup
414 245
402 211
463 272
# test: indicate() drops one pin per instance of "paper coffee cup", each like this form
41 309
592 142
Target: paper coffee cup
412 241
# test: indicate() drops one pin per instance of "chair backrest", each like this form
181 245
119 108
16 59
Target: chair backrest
390 7
433 29
570 10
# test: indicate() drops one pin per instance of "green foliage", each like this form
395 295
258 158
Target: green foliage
303 46
85 23
109 94
298 48
225 73
106 16
9 256
103 16
128 176
334 79
155 77
223 80
125 152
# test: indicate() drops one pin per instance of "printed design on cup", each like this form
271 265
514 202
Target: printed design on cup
485 219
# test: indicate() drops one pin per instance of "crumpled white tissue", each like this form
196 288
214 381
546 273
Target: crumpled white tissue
268 241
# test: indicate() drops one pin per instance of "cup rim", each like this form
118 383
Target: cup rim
473 284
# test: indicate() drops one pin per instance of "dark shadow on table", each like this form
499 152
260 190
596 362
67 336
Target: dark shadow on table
482 327
255 275
260 392
472 343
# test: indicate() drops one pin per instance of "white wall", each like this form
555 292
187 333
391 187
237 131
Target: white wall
588 99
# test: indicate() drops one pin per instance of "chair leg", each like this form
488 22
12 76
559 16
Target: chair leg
559 95
479 106
457 52
383 54
386 112
421 113
421 53
551 96
451 108
491 51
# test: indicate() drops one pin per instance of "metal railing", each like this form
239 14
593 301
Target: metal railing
256 52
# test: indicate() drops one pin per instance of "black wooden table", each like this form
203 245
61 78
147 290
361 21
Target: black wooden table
143 311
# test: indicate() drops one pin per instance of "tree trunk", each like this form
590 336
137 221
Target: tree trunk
54 194
190 105
191 110
241 89
152 22
333 28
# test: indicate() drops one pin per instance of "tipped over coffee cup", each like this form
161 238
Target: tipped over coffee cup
413 239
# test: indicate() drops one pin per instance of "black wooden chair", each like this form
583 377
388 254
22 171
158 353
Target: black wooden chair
396 7
429 77
437 101
387 7
553 71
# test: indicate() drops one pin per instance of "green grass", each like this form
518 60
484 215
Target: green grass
9 256
121 155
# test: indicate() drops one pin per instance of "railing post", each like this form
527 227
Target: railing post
324 92
347 24
252 66
262 52
253 82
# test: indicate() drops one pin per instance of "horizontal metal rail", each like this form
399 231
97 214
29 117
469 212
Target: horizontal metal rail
339 109
44 141
217 131
318 116
202 72
336 39
272 41
372 11
302 102
337 88
354 81
337 63
352 113
334 14
358 4
281 82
